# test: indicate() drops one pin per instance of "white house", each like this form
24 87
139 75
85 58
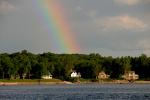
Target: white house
74 74
130 75
49 76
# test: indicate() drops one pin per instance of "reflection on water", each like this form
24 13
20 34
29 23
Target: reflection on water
76 92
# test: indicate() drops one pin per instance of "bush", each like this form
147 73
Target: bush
73 79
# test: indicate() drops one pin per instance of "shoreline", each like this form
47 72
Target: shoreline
66 82
31 83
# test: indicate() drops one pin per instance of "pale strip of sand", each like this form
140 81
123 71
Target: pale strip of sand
32 83
144 82
66 82
126 81
7 83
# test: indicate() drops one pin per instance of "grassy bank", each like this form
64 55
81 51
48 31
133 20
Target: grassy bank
30 80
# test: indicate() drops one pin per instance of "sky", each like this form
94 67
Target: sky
107 27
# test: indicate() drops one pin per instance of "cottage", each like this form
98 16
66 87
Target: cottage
49 76
130 75
102 75
74 74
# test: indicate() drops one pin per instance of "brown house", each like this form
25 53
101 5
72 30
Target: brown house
130 75
102 75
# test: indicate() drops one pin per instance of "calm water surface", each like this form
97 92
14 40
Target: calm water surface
76 92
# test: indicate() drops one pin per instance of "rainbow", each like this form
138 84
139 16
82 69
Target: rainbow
51 13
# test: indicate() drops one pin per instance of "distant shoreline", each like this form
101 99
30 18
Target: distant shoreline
66 82
32 83
126 82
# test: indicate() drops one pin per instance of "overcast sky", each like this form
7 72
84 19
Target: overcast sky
108 27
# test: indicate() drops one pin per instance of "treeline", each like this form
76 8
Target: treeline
32 66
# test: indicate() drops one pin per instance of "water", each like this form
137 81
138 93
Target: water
76 92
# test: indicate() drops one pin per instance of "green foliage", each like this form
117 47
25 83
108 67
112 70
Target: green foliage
73 79
25 65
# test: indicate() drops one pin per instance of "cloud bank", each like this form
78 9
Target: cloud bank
5 6
131 2
124 22
144 45
127 2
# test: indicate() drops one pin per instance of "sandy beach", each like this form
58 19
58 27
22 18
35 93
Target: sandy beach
66 82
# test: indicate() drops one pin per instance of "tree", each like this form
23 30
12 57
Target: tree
126 64
6 66
24 64
107 64
117 69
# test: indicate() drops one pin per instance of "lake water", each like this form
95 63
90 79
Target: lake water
76 92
